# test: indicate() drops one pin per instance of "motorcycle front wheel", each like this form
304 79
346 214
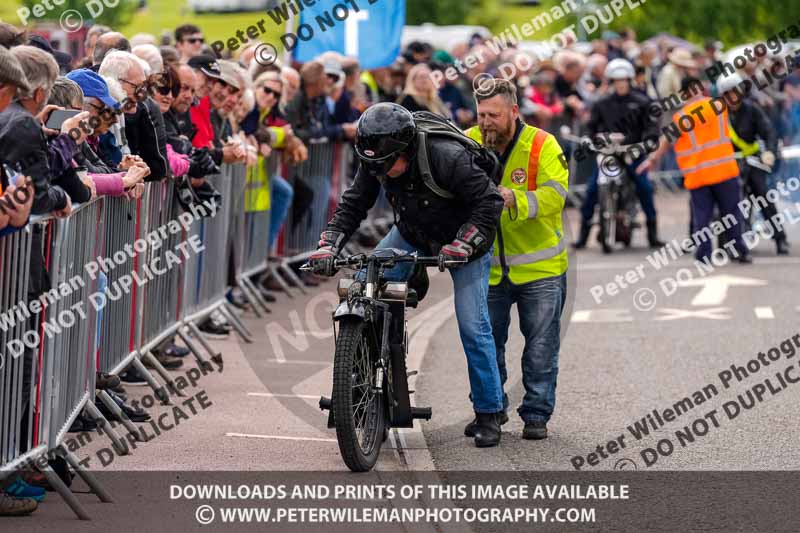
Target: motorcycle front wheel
358 409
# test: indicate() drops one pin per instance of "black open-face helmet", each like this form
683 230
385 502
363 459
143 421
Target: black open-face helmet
385 131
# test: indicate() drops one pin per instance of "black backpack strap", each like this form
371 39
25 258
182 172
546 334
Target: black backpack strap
424 164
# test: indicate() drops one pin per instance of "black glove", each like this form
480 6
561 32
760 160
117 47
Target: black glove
202 164
322 261
467 241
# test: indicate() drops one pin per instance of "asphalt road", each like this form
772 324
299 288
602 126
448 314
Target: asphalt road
620 360
617 364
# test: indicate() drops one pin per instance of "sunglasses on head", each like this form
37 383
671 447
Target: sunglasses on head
276 94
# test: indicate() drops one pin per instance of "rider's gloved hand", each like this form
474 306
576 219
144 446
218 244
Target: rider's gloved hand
322 261
468 240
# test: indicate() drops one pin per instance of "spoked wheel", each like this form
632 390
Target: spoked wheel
358 411
608 217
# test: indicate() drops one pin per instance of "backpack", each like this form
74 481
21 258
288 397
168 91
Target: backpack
429 124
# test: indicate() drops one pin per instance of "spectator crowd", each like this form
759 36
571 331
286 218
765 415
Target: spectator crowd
145 109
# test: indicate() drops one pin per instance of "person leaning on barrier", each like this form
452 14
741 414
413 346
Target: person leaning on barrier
85 90
530 258
610 115
748 123
16 196
453 214
212 89
23 144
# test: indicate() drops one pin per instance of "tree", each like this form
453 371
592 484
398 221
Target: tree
114 13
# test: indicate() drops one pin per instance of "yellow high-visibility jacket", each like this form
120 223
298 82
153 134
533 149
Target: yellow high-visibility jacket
530 240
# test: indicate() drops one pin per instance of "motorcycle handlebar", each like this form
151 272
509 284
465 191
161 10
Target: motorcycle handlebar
437 261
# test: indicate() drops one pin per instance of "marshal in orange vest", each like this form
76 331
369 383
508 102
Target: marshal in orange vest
705 153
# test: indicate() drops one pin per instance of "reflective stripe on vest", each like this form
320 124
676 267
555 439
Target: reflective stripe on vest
533 257
745 147
705 153
533 249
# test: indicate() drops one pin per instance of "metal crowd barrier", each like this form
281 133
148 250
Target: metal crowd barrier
17 384
328 172
43 390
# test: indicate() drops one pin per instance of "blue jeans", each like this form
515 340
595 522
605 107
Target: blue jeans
644 190
540 304
281 194
471 285
726 195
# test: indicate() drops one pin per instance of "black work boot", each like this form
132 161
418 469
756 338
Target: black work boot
652 234
535 431
783 246
469 429
487 432
586 227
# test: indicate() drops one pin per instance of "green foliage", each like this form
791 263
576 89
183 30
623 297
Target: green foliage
440 12
116 16
731 21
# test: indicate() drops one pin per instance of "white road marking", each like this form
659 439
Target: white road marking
715 288
602 315
276 395
297 362
764 313
714 313
277 437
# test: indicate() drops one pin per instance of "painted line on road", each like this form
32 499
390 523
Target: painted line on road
277 437
764 313
297 362
677 264
277 395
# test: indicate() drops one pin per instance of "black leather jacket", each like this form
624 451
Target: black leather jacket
424 219
627 114
750 122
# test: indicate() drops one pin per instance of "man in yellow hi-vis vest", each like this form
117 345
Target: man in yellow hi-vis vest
530 257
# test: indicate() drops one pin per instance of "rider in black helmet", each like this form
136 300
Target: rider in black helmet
454 217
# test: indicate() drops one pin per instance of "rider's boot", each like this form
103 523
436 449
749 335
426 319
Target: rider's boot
783 246
469 429
652 234
586 227
487 432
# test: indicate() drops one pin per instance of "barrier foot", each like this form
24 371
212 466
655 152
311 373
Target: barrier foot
105 426
215 356
160 392
202 361
293 278
158 367
236 323
114 408
65 493
274 271
88 478
254 304
245 281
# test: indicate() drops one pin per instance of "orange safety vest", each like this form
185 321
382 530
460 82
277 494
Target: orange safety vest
705 152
